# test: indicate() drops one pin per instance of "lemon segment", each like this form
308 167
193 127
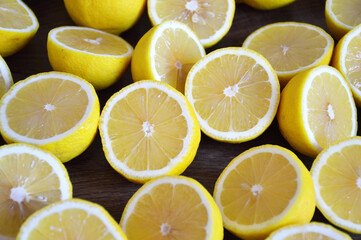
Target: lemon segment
6 80
263 189
173 207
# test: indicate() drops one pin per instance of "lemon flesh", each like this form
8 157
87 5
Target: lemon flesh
6 80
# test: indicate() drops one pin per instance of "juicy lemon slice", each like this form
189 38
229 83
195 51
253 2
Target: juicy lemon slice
6 80
172 207
235 94
291 47
71 219
337 178
56 111
17 27
98 57
316 109
263 189
30 179
149 129
166 53
209 19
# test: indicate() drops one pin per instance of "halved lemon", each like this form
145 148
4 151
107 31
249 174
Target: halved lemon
55 111
172 207
17 27
30 179
317 109
149 129
6 80
235 94
263 189
71 219
267 4
166 53
291 47
99 57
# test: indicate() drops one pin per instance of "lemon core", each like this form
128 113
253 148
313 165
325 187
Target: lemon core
18 194
165 229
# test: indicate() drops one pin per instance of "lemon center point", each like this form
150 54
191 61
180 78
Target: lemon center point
165 229
231 91
192 5
178 65
330 112
256 190
49 107
284 49
94 41
148 128
18 194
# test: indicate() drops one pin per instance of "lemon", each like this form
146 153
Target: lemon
172 207
6 80
291 47
71 219
98 57
313 230
55 111
30 179
347 60
166 53
110 16
267 4
316 109
209 19
336 176
234 92
149 129
342 16
263 189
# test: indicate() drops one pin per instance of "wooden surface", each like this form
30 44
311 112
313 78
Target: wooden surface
92 177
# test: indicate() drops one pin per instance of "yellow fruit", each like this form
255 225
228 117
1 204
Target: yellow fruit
317 109
111 16
291 47
235 94
98 57
71 219
30 179
263 189
56 111
209 19
17 27
172 207
347 60
6 80
166 53
267 4
337 179
342 16
149 129
313 230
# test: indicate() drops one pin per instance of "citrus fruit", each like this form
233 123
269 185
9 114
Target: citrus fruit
342 16
172 207
17 27
235 94
30 179
267 4
210 20
337 179
149 129
313 230
99 57
316 109
111 16
6 80
71 219
166 53
55 111
263 189
291 47
347 60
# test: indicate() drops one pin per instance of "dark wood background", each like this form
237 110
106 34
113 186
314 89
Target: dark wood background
92 177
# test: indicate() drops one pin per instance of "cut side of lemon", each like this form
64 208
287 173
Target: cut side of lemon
6 80
149 129
347 60
337 178
99 57
342 16
263 189
18 26
172 207
166 53
71 219
55 111
235 94
291 47
210 20
30 179
317 109
313 230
